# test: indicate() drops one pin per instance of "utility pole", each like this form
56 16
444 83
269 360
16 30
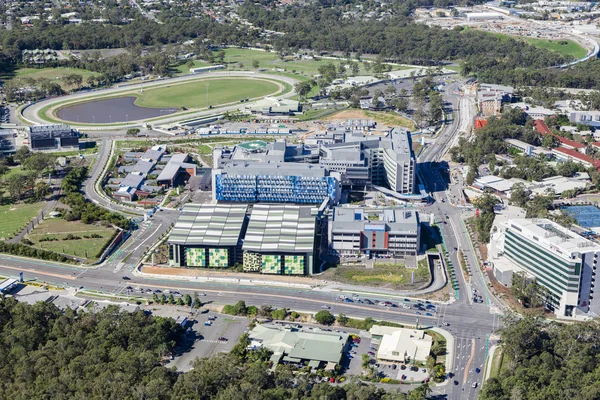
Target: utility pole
207 95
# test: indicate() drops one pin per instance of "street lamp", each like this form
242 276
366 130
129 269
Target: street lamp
207 95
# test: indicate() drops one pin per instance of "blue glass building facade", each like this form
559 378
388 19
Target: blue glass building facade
275 188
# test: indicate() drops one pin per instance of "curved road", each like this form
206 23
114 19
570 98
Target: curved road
30 113
470 324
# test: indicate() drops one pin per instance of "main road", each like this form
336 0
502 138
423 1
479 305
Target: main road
471 350
470 323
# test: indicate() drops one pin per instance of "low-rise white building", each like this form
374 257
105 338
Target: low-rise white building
402 345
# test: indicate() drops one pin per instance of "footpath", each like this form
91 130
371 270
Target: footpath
183 274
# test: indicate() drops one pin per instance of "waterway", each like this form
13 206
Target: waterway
120 109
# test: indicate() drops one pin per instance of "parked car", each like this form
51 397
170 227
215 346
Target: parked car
403 367
222 339
429 314
474 384
456 382
477 370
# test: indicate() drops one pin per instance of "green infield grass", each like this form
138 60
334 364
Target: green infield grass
194 94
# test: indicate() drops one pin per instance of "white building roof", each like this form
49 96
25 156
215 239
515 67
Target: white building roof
397 344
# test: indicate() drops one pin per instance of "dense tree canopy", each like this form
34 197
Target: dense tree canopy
117 355
547 361
56 355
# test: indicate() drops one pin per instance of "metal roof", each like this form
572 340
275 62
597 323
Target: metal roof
301 345
209 225
280 228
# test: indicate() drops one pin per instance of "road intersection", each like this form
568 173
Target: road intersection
470 323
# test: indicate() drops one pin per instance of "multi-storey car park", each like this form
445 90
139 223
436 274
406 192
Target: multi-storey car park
557 259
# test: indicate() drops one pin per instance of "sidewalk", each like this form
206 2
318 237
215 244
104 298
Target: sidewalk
262 280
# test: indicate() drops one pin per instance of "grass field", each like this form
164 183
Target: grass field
193 94
15 216
387 118
184 69
204 149
57 228
566 47
53 74
234 57
384 275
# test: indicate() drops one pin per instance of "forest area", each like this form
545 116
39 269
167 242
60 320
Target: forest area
118 355
546 361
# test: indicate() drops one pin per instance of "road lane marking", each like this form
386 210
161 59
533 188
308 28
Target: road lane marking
283 297
70 277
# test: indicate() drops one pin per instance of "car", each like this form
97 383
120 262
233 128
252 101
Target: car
418 312
394 366
167 291
424 370
456 382
157 291
367 301
371 353
407 300
403 367
456 248
128 288
429 314
222 339
414 369
474 385
403 377
324 307
446 324
202 294
126 278
477 370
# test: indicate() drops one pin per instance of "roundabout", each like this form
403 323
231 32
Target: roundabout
158 102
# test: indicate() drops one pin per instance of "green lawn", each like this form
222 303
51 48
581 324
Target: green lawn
563 46
183 69
204 149
566 47
388 275
193 94
271 60
57 228
15 216
496 363
53 73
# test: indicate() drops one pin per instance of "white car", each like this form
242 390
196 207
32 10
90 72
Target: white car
325 307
